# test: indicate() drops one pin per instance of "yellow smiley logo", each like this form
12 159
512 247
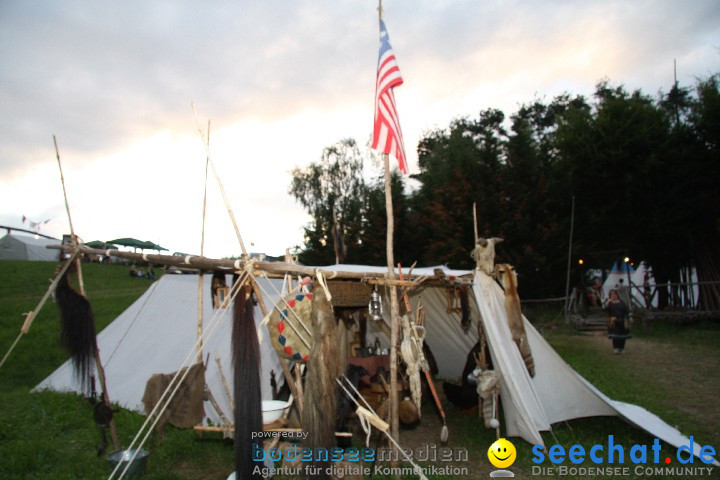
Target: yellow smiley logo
502 453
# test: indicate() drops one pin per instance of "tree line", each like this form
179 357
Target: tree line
644 173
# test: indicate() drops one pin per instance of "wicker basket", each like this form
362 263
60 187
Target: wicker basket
349 294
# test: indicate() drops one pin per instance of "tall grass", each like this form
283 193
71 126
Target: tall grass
52 435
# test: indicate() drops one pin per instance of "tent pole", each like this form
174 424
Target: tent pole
30 316
81 284
567 281
222 189
202 252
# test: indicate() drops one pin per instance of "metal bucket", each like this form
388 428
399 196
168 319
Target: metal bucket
123 457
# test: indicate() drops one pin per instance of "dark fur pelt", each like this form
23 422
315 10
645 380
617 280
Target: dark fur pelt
77 331
465 309
430 358
218 280
345 405
462 396
248 403
465 395
320 400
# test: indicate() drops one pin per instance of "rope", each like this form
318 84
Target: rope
416 467
137 315
365 424
323 284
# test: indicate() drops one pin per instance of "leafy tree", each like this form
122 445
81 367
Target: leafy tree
332 188
644 173
457 168
374 237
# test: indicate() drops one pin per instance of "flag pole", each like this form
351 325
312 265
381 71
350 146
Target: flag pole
394 306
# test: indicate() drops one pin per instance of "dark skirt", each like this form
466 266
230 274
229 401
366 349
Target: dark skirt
618 331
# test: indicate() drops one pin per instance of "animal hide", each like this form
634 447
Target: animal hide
507 275
484 254
465 395
464 309
345 405
185 410
218 280
77 331
320 399
246 388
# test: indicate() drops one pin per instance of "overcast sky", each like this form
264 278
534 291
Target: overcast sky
280 80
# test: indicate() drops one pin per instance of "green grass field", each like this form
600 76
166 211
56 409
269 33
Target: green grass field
670 369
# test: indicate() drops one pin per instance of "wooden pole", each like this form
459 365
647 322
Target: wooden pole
73 238
81 284
202 252
30 316
567 281
222 190
276 269
394 306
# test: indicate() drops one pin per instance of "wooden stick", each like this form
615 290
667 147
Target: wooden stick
30 316
224 382
202 250
81 284
217 408
278 269
567 280
394 308
222 191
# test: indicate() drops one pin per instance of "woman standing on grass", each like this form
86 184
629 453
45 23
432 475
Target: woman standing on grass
618 321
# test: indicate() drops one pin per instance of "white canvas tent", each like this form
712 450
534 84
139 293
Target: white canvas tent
638 277
556 392
157 331
25 247
156 334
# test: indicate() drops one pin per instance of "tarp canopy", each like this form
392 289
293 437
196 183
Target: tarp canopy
135 243
99 244
24 247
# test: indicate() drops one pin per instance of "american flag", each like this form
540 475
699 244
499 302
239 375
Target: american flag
387 136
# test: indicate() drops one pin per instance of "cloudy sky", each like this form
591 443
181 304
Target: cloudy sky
279 80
